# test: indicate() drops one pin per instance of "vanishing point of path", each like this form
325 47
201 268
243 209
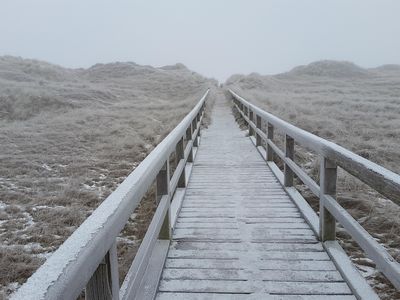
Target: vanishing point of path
238 235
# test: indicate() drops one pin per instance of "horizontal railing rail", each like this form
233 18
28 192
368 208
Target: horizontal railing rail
331 155
88 260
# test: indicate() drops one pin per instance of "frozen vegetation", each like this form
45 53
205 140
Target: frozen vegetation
68 138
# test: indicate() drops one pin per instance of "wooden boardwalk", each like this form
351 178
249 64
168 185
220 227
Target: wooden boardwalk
238 234
229 224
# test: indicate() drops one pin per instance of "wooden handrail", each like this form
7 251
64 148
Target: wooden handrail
88 257
377 177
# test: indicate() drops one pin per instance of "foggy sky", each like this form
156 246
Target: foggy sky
213 37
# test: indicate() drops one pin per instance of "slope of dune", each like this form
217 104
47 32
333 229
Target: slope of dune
68 137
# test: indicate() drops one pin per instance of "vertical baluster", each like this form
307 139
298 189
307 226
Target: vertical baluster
270 136
162 183
189 132
104 283
199 127
258 124
289 153
179 156
250 115
328 178
195 140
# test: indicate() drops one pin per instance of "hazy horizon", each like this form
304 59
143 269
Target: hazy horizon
214 39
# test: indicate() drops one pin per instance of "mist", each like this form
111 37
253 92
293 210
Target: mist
214 38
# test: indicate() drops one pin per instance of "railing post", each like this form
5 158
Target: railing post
258 124
270 136
199 128
194 127
250 116
328 178
189 132
104 284
179 156
162 183
289 153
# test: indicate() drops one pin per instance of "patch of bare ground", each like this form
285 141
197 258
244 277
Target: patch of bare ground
358 109
68 138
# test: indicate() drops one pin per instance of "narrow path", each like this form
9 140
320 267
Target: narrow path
238 235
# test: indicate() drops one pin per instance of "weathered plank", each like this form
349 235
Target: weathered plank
257 296
236 286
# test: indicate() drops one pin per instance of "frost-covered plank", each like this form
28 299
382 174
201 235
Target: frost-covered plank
232 210
281 255
203 263
206 220
285 247
258 296
305 265
266 220
266 275
205 274
187 225
281 225
206 286
196 245
236 286
262 232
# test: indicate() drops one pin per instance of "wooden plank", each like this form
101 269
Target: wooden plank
233 225
305 209
206 220
236 286
203 263
257 296
266 275
270 255
304 265
237 246
207 225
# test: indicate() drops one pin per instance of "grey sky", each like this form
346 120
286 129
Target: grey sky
214 37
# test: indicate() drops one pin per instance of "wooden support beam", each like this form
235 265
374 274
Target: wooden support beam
179 156
289 153
328 178
270 136
104 284
258 124
189 132
250 116
162 183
